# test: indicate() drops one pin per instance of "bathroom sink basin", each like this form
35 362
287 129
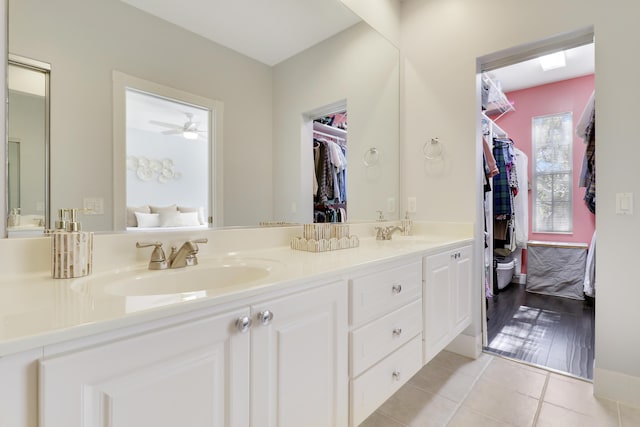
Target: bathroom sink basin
209 275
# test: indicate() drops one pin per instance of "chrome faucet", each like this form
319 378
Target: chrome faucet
186 255
385 233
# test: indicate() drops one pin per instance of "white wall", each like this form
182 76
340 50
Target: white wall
383 15
358 66
441 40
189 159
84 40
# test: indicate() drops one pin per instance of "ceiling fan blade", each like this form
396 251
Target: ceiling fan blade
165 124
171 132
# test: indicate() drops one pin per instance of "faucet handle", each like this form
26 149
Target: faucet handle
158 259
191 259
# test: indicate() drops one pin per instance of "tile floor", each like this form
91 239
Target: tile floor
455 391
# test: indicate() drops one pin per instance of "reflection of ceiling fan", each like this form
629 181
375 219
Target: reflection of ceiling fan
189 129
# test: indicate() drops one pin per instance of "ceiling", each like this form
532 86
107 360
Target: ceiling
268 31
143 108
580 62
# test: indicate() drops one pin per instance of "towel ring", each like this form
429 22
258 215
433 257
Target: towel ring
371 157
432 149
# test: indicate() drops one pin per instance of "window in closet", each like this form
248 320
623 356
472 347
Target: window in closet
552 172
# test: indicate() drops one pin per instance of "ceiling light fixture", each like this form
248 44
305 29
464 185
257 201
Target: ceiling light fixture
553 61
189 134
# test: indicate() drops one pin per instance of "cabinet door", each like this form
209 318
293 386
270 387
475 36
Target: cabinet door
19 389
462 289
437 299
195 374
299 359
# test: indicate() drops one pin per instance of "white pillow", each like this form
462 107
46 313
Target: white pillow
170 219
147 220
190 219
199 210
131 211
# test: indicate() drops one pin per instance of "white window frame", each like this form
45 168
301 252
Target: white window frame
535 175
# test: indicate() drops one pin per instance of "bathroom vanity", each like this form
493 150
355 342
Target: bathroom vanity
291 338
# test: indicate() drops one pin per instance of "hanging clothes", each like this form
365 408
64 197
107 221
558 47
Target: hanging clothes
324 172
505 188
502 182
586 129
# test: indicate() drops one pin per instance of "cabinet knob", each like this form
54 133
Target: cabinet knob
265 317
396 375
397 332
396 289
243 323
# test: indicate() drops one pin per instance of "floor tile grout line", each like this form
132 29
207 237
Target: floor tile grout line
473 384
619 414
541 400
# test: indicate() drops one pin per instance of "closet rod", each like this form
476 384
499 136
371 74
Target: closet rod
329 135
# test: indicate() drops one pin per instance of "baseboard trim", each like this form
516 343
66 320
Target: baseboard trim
616 386
466 345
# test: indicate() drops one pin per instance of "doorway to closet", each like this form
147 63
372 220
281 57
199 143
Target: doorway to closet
538 125
330 167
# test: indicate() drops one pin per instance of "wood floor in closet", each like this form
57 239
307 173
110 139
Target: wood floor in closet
544 330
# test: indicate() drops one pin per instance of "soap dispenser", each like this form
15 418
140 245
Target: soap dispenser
407 225
71 248
14 218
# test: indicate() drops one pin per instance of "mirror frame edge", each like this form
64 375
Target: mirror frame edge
121 81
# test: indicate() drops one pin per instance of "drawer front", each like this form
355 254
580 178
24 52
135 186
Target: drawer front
376 385
376 294
380 337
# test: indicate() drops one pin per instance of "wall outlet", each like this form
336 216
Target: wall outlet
411 205
93 205
391 204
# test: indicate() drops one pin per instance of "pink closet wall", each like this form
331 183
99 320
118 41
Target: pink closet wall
568 95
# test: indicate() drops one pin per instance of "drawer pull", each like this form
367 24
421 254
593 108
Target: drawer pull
397 332
243 323
396 289
265 317
396 375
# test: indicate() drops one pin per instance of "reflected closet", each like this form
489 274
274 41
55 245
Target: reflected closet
330 168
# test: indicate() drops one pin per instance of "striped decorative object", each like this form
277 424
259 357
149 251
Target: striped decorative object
71 254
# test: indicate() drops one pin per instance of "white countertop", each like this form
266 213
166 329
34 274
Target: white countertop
36 310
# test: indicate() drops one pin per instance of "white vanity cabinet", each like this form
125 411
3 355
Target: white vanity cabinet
447 298
193 374
299 351
19 389
386 334
280 363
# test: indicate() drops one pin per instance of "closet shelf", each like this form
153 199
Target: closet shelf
497 102
320 127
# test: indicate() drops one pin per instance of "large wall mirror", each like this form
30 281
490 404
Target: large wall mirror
267 163
28 146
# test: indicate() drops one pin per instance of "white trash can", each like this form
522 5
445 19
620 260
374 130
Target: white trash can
504 272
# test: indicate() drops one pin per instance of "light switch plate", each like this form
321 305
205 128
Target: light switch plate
391 204
412 205
624 203
93 205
